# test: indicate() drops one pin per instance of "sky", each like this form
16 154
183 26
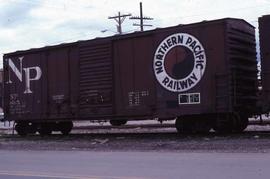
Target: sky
26 24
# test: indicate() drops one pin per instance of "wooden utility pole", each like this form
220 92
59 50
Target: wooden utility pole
119 20
141 18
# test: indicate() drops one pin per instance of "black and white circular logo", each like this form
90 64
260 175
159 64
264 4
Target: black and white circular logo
179 62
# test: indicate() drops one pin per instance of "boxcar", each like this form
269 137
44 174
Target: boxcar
204 75
264 29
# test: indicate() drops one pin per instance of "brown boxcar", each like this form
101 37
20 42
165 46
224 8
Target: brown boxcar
203 74
1 90
264 30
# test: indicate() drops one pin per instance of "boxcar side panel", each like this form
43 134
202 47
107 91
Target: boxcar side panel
25 86
197 47
95 79
41 84
135 92
241 57
61 84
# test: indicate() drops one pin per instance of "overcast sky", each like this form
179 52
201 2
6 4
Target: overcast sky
27 24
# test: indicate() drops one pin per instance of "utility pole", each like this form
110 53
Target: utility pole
119 20
141 18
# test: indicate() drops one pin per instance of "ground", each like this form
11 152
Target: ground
135 151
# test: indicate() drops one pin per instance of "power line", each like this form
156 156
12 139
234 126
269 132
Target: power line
119 20
72 7
141 18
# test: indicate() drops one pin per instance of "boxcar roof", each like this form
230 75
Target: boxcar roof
123 36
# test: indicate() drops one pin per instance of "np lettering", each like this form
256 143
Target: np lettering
28 78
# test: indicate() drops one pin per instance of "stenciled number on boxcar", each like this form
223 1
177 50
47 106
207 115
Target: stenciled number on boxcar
179 62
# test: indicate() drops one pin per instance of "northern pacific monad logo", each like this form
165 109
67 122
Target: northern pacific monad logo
179 62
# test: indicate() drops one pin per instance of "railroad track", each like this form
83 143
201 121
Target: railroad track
166 129
131 126
143 139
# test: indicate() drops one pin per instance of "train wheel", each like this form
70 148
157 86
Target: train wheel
184 125
21 128
65 127
243 123
118 122
32 128
179 125
192 125
223 124
203 126
240 123
45 129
